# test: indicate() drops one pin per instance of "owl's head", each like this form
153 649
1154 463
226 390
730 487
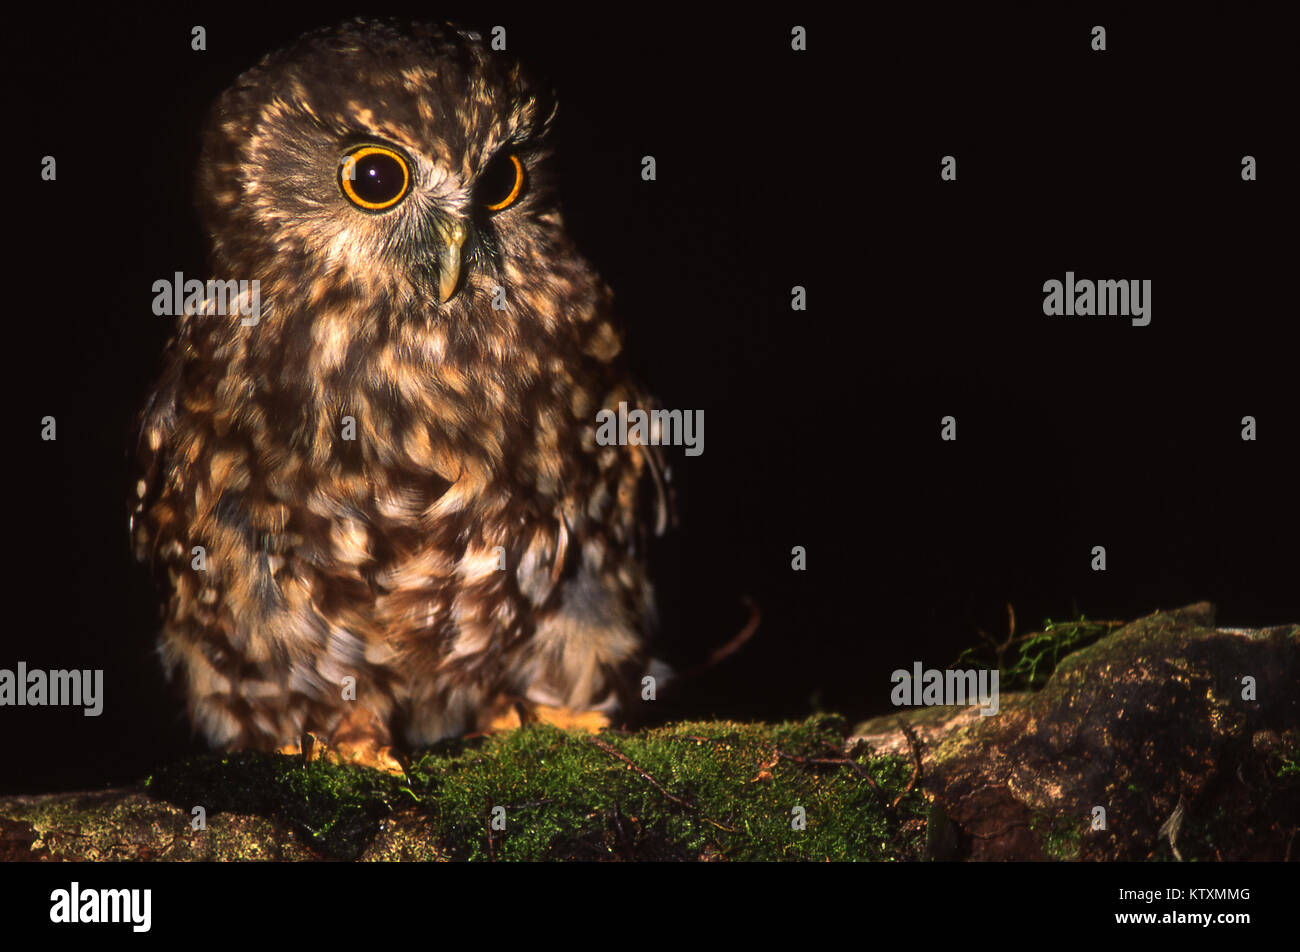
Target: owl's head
402 162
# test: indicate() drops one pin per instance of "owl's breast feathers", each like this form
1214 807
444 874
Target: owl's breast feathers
418 504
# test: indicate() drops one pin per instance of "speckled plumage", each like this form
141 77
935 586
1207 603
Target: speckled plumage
375 558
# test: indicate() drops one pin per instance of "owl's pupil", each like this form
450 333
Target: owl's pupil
501 182
497 182
378 178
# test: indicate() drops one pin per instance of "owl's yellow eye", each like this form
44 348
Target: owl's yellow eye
501 182
374 178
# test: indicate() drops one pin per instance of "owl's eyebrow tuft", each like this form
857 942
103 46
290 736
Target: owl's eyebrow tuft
522 140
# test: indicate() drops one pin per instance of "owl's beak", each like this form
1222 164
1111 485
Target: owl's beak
452 240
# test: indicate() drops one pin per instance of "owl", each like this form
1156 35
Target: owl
378 504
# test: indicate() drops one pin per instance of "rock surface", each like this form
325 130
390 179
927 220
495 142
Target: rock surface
1150 725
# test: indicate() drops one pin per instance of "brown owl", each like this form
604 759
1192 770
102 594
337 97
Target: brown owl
378 502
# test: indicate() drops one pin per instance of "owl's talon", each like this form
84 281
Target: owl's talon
508 719
308 747
362 753
365 754
526 712
562 717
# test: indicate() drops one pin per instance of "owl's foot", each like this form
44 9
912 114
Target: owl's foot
360 738
517 713
362 752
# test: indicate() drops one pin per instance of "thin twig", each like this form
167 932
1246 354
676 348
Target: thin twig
831 762
684 804
732 646
615 752
915 746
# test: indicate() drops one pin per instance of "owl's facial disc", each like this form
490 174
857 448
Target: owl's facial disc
412 188
377 179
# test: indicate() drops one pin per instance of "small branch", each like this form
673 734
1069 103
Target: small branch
684 804
915 746
831 762
732 646
619 755
1011 629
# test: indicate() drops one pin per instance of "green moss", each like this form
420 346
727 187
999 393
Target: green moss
688 791
1027 661
335 807
1060 837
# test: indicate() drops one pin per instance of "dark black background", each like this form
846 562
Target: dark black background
775 168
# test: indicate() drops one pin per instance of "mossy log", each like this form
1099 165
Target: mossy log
692 791
1152 724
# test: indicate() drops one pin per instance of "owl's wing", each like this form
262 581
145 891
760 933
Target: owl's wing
665 502
157 421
